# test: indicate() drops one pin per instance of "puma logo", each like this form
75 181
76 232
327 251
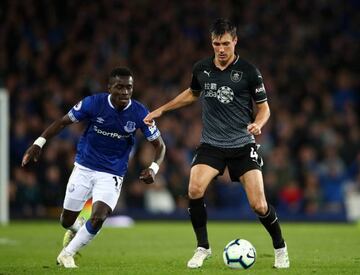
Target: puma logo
207 72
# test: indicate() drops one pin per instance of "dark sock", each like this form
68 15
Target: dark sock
271 223
198 218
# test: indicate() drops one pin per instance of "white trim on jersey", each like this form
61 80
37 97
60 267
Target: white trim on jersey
154 136
72 117
262 100
112 106
236 60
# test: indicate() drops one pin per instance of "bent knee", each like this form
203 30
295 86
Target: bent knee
260 208
195 191
66 221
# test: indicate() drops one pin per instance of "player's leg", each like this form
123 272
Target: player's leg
70 221
207 164
77 192
105 194
245 165
254 188
100 211
200 177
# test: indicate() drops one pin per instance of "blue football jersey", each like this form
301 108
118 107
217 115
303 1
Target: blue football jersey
110 135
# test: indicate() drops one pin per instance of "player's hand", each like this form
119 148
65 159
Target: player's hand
32 153
149 119
254 129
147 176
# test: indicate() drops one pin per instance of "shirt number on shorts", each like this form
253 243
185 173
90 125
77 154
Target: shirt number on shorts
118 182
253 154
255 157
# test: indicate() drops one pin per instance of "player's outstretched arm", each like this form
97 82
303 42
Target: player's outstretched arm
262 116
183 99
34 151
148 174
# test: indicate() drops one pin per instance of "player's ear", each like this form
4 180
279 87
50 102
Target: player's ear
235 40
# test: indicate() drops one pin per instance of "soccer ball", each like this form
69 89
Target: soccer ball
239 253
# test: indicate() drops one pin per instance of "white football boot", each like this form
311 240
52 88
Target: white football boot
66 259
281 258
200 255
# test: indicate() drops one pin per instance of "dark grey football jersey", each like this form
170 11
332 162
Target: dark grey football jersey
227 101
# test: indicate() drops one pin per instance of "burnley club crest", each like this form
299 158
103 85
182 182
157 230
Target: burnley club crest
236 76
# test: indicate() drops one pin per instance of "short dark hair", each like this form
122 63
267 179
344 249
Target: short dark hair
120 71
222 26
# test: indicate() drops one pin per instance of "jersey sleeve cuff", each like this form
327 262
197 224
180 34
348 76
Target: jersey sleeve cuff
154 136
261 100
72 117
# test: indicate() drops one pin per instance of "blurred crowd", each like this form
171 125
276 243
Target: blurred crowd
53 53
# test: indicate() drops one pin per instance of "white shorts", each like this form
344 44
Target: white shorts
85 183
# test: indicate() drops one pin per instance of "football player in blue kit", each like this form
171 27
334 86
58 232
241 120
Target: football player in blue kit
102 157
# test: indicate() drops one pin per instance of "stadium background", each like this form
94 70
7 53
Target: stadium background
53 53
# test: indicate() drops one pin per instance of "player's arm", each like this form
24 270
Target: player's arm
262 116
258 93
148 174
34 151
185 98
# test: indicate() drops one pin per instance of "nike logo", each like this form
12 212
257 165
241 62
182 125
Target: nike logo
207 72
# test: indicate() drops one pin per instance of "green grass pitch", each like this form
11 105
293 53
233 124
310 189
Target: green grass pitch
165 247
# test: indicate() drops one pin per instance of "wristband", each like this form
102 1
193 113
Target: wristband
155 167
40 141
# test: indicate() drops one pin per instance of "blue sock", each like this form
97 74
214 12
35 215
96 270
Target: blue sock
90 228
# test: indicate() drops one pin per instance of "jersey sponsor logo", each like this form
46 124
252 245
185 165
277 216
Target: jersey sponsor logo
77 107
210 86
130 126
260 89
235 76
109 134
224 94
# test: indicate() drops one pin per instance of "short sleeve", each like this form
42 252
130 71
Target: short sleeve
82 110
150 132
195 85
257 86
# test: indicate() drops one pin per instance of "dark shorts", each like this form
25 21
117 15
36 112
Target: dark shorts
238 160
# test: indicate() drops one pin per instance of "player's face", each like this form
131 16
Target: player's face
224 47
121 88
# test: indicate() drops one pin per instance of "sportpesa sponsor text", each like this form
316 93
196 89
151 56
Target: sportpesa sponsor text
109 134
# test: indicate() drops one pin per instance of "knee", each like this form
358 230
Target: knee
66 221
260 208
195 191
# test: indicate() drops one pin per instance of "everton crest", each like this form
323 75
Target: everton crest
130 126
236 76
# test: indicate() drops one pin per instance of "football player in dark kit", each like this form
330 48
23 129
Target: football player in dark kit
227 86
